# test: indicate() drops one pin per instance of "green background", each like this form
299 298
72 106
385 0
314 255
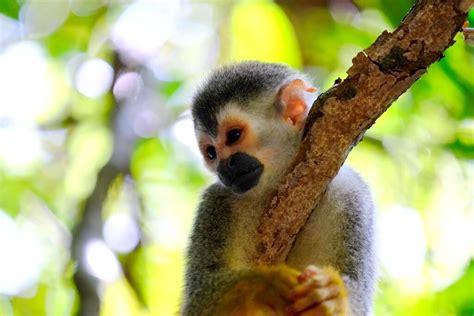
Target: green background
99 171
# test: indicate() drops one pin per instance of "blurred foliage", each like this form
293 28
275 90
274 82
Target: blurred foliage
91 86
10 8
274 29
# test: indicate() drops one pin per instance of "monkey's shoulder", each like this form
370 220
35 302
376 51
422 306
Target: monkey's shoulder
210 229
213 207
215 193
213 217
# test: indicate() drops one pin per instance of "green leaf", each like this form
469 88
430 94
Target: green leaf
74 34
168 88
34 305
461 150
395 10
11 193
470 17
460 295
456 299
10 8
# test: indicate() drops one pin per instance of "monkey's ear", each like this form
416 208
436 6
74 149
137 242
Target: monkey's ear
293 101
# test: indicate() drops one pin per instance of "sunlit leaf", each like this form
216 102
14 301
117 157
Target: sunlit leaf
160 272
149 155
126 305
260 30
74 35
13 191
32 304
456 299
459 296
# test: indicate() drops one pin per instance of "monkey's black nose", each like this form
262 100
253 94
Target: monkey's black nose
231 162
240 172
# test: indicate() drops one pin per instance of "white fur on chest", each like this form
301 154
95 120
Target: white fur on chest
314 244
318 241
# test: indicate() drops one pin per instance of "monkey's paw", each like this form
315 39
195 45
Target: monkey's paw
320 292
261 291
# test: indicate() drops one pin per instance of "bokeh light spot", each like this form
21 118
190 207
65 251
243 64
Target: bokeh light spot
100 261
40 18
121 232
94 78
128 85
402 245
144 26
21 258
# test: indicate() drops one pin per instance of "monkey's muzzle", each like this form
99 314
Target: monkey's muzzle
240 172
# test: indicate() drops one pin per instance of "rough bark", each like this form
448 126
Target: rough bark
340 116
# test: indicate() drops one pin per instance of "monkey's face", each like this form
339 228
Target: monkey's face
255 140
251 150
232 153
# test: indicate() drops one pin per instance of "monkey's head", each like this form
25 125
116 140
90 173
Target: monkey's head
248 120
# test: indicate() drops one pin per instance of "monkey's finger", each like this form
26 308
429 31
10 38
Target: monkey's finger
271 303
315 297
328 308
316 311
292 272
282 288
309 272
316 281
287 276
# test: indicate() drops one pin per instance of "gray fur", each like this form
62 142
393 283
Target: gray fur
339 232
205 253
206 274
239 82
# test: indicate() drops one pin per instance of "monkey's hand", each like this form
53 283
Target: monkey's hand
261 291
320 292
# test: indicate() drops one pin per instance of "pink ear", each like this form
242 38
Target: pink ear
293 101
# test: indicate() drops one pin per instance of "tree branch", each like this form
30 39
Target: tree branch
340 116
90 226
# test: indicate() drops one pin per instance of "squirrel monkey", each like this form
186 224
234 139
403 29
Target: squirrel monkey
249 119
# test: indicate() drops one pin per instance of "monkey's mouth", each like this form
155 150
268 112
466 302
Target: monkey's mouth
247 181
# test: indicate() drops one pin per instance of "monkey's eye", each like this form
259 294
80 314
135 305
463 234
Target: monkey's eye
233 135
211 152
